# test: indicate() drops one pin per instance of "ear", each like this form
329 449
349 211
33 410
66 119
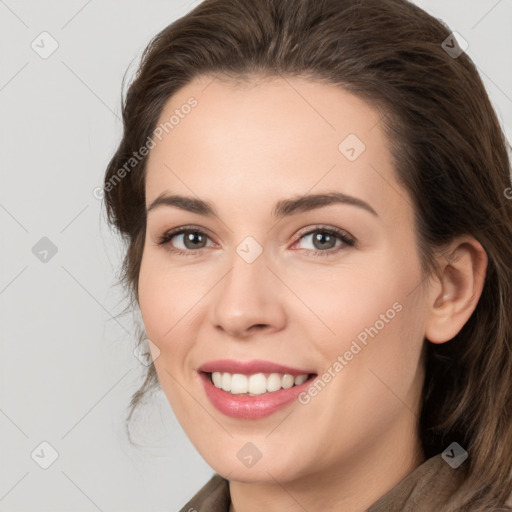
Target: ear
456 289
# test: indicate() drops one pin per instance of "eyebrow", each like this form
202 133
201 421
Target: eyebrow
283 208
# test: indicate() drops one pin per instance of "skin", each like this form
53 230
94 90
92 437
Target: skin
244 147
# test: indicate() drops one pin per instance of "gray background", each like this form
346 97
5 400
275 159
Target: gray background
67 367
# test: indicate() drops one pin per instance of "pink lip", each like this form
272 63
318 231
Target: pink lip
250 367
245 406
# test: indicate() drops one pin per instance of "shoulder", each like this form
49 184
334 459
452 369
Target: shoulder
212 497
434 485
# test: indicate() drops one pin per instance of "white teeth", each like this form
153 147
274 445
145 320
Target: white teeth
288 381
239 383
226 382
217 379
300 379
274 382
255 384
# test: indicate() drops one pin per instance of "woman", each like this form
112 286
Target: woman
314 198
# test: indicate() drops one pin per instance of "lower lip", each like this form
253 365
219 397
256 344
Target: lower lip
250 407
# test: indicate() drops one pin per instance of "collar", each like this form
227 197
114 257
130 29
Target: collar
433 485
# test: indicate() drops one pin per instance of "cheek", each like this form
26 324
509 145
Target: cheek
351 302
163 311
167 295
376 316
169 301
369 384
152 303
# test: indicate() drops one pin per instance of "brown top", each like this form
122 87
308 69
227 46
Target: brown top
430 487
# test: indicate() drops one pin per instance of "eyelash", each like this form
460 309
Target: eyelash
347 240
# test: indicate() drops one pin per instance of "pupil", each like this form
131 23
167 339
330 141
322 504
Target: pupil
191 237
321 239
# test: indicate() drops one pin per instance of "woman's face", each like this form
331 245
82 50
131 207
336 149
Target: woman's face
300 261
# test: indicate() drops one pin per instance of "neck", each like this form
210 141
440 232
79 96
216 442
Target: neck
352 486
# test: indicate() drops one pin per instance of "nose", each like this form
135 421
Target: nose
249 300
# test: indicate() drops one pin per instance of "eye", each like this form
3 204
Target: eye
325 240
186 240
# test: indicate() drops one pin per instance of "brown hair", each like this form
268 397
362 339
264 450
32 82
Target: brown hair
449 153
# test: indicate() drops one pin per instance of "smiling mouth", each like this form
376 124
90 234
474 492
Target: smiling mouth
257 383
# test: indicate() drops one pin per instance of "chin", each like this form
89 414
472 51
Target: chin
247 461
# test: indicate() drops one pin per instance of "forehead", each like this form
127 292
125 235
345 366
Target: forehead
271 138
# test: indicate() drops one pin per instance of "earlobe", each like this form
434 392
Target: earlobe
455 293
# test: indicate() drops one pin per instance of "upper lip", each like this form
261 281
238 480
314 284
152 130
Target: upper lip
250 367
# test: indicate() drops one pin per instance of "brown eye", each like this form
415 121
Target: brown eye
193 239
327 240
322 240
184 240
